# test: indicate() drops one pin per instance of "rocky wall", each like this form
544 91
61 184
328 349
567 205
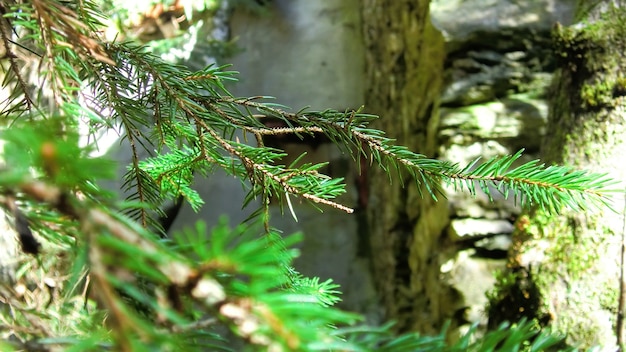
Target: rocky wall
498 70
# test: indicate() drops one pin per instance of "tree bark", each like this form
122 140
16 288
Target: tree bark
565 269
404 68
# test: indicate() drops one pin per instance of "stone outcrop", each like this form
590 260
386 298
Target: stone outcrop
498 69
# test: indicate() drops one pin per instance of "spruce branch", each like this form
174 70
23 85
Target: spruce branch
309 184
61 25
132 76
258 312
532 183
305 182
201 98
550 187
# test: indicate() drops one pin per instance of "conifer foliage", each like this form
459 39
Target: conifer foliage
96 273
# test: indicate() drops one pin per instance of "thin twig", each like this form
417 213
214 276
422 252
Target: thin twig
13 64
259 167
619 325
200 324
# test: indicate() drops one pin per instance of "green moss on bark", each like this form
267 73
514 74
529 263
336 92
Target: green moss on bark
405 74
572 258
558 276
587 49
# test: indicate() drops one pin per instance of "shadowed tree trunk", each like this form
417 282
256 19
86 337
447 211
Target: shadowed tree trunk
565 270
404 58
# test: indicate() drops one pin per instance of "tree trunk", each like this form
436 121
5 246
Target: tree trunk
404 65
565 270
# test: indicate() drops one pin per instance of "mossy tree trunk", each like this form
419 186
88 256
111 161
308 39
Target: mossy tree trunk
565 270
404 60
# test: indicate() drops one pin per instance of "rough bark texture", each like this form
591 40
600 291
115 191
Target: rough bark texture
565 270
404 73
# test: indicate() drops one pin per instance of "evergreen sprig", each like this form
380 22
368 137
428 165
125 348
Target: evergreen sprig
523 336
533 183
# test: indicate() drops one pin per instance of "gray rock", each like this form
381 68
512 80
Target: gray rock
520 119
497 47
466 228
473 277
500 243
467 20
305 53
